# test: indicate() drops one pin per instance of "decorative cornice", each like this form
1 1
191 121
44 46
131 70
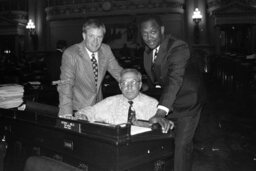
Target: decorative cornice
114 7
12 23
235 20
215 4
234 13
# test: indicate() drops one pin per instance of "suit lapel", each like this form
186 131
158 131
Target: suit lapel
101 66
88 65
160 60
148 62
161 52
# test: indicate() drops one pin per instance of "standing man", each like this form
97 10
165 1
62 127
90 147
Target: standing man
167 63
83 68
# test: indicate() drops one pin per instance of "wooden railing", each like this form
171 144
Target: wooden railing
235 71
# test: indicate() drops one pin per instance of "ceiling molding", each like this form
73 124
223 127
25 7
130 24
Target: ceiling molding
234 13
110 8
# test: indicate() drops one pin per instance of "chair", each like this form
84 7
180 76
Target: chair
41 163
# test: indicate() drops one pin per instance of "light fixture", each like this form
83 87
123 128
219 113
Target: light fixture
31 27
197 17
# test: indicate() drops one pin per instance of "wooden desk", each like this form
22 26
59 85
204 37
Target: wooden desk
92 147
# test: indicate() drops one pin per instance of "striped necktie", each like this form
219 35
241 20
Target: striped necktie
153 64
95 68
131 113
155 55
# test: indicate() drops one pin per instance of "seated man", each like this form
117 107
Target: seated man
116 109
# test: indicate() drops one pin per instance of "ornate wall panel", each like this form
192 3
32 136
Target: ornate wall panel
235 21
235 13
215 4
13 22
80 8
121 17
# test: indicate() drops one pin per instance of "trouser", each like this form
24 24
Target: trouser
184 132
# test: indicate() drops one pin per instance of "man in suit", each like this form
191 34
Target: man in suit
168 65
83 68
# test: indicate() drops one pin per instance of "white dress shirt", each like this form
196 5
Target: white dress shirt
114 109
154 53
95 55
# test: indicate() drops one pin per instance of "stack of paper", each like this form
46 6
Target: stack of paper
11 95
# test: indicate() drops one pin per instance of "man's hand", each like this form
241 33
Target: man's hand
164 123
160 113
80 116
67 116
142 123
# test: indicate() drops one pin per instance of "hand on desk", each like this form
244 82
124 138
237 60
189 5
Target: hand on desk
77 116
164 123
80 116
67 116
142 123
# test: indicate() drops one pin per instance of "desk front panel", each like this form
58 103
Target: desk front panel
85 150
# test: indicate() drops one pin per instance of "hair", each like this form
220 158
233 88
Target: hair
93 23
135 71
155 18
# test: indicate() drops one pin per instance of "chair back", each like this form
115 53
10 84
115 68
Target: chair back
41 163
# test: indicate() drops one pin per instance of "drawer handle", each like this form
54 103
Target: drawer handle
68 144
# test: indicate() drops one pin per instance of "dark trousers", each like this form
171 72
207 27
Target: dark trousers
184 132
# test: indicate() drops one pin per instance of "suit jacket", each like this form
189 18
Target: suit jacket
78 88
180 80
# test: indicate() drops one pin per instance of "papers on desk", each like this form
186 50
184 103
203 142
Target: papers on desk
11 95
138 130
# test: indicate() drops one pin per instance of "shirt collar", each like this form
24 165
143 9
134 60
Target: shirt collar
90 54
157 48
154 52
134 100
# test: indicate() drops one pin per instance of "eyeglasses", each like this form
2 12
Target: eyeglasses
126 84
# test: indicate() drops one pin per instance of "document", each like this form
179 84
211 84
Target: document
138 130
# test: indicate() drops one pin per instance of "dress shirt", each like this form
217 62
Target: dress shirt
154 53
153 60
114 109
90 54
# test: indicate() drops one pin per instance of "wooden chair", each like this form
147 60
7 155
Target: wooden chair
41 163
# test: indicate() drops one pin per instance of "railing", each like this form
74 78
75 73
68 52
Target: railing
235 72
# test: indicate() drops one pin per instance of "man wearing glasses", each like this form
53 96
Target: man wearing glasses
115 109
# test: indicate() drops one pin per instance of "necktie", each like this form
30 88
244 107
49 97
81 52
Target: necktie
95 68
155 55
153 63
131 113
